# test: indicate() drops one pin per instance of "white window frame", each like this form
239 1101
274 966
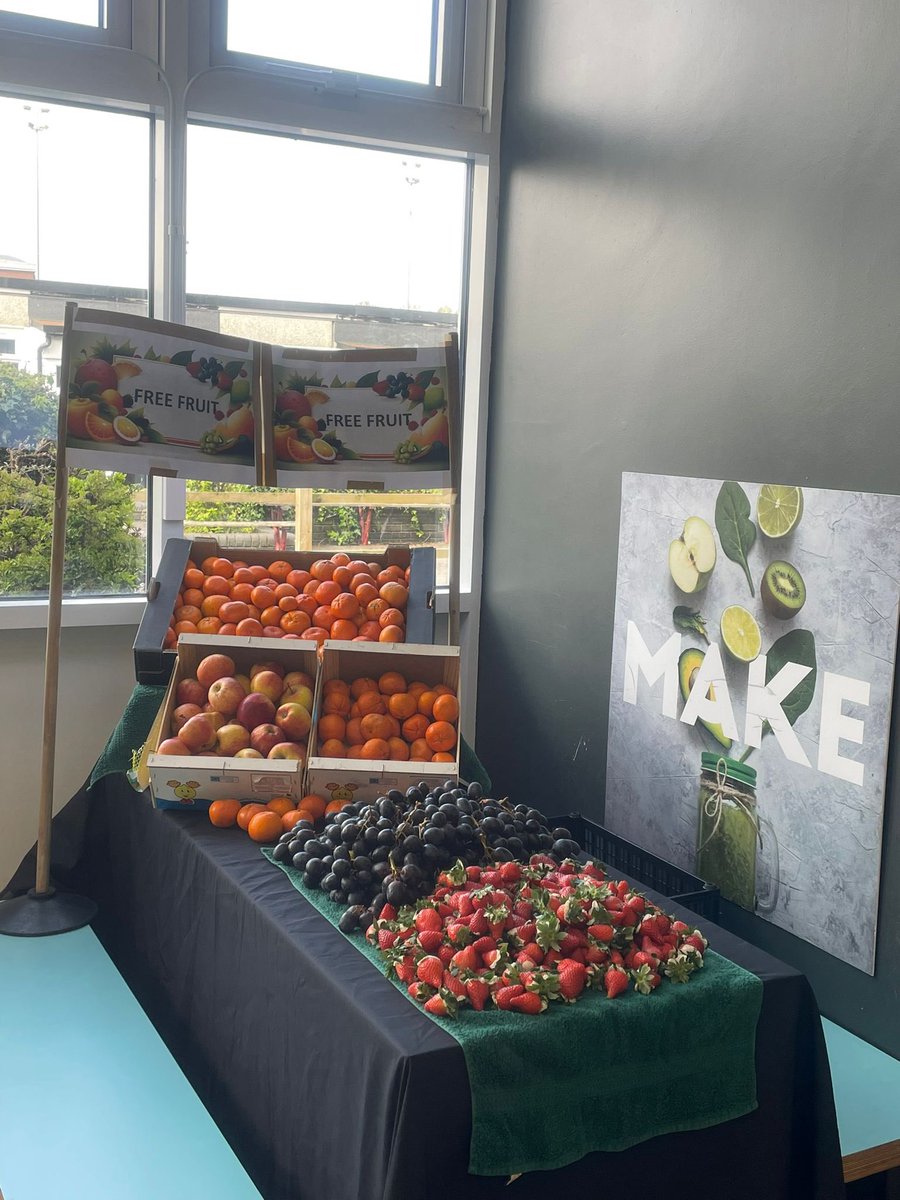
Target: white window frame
171 70
115 31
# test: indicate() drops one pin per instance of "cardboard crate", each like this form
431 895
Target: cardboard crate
153 664
346 778
193 782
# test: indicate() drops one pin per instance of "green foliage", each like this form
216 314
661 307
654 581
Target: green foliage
28 407
104 553
346 529
228 512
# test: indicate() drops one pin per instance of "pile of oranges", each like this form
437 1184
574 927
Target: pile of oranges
388 718
267 822
338 597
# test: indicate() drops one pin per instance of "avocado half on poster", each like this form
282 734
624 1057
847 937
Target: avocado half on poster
144 395
359 418
750 700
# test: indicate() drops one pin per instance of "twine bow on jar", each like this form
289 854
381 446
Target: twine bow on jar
716 794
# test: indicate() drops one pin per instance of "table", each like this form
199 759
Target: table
328 1083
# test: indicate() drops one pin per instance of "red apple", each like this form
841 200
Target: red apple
183 713
254 710
298 694
232 738
292 401
295 679
213 667
173 745
218 719
191 691
225 695
199 733
264 737
268 683
244 681
266 666
294 719
291 750
249 752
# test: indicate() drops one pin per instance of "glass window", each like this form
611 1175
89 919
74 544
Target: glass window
93 242
396 39
77 12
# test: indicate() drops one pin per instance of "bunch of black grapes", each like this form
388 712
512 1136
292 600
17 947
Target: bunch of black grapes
391 850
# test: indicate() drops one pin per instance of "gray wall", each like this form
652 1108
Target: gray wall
699 275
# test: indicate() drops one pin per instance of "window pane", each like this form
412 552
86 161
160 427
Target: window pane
342 227
106 532
78 12
391 38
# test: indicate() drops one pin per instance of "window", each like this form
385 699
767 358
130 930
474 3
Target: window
77 12
90 250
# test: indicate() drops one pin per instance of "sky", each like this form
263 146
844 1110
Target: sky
267 217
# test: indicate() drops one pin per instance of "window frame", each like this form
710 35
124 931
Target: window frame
116 31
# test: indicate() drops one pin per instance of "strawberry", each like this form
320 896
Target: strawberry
572 978
603 933
641 958
405 969
593 872
680 927
430 940
493 958
571 940
386 938
473 874
420 991
615 981
644 980
466 905
534 952
458 933
430 970
510 872
523 909
527 1002
503 995
465 960
524 933
525 960
484 945
637 902
388 913
477 991
551 958
568 867
428 918
453 984
595 954
697 940
445 952
479 923
442 1005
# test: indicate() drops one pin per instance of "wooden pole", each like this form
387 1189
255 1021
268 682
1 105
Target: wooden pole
54 628
455 420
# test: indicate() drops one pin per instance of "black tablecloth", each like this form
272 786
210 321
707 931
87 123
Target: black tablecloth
326 1080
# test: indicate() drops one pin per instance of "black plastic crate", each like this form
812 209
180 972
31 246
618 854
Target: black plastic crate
621 855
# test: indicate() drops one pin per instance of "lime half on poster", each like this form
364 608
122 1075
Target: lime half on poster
778 509
740 633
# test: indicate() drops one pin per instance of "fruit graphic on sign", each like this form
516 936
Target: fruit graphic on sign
693 556
688 665
782 590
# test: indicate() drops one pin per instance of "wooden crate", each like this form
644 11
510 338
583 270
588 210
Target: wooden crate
358 779
193 782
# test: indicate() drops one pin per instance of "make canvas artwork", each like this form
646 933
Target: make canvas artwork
752 675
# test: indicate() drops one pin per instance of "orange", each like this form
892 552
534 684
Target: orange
343 631
207 565
265 827
300 452
223 567
358 567
375 748
402 705
365 593
285 589
290 818
209 625
229 629
340 558
353 735
362 684
193 578
254 612
213 605
375 608
280 805
288 603
441 689
335 806
322 569
337 703
194 596
248 811
279 570
395 594
323 617
391 682
391 616
273 631
242 592
233 610
342 577
314 804
375 725
426 703
262 596
327 591
446 707
371 702
307 604
442 757
185 627
440 736
332 726
170 639
315 634
333 748
391 633
188 612
223 813
414 727
309 589
242 575
249 628
306 815
416 689
271 615
420 751
98 429
369 631
295 622
345 604
216 585
298 579
399 749
354 751
335 685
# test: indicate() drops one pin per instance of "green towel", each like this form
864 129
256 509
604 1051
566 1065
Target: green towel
142 707
599 1074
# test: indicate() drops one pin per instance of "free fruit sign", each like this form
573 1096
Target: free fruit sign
347 418
750 700
146 395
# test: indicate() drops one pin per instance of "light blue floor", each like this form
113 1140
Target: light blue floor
866 1091
92 1105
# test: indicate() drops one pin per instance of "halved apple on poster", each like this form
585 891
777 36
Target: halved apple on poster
693 556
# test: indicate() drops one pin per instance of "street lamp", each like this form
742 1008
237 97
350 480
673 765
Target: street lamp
411 180
38 127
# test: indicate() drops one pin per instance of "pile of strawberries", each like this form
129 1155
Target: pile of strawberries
521 936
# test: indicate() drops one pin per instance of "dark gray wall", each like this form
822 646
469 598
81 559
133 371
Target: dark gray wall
699 275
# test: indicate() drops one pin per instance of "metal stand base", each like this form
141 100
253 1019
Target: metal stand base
34 915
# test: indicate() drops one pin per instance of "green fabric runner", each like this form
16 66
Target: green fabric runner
598 1074
142 707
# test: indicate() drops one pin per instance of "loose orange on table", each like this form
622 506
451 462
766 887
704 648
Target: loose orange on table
290 819
223 813
248 811
265 827
280 805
